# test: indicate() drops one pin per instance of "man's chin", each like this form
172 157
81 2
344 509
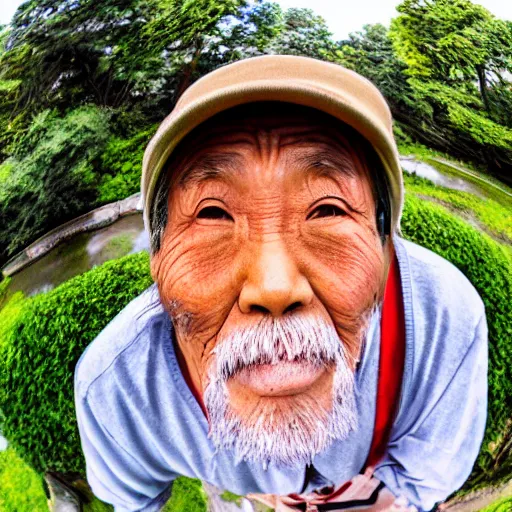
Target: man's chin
275 396
258 427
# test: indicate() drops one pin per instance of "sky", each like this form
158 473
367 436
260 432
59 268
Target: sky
342 16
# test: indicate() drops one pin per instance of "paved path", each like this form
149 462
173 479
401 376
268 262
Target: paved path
478 500
469 173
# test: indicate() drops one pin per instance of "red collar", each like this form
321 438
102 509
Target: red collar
391 363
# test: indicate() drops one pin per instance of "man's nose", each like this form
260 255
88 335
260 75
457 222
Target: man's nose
274 283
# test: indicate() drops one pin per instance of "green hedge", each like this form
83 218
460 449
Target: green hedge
41 350
38 358
502 505
187 496
489 268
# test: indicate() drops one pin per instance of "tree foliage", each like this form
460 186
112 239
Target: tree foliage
370 52
302 32
52 174
452 40
122 163
459 57
111 53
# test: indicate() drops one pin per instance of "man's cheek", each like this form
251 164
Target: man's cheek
347 278
349 268
200 281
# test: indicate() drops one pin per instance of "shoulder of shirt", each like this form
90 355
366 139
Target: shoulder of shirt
132 325
445 324
439 288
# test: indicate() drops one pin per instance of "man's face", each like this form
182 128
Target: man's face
270 266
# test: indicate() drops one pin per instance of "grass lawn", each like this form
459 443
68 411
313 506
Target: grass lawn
21 488
502 505
431 157
491 187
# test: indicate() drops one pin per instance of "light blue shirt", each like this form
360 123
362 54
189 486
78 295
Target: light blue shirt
141 427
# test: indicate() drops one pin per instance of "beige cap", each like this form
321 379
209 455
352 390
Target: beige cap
328 87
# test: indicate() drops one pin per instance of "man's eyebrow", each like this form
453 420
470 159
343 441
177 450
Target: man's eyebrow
328 163
211 166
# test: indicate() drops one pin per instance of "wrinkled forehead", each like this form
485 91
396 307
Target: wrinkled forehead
317 134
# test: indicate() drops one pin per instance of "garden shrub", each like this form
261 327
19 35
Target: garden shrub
187 496
10 314
502 505
38 358
489 268
40 354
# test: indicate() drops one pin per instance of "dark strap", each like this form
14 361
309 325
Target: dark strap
391 364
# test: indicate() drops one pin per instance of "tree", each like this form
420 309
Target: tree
112 53
303 33
251 33
185 32
453 41
66 52
370 53
458 57
8 93
52 176
263 28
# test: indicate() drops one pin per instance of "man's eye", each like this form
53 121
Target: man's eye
214 212
326 210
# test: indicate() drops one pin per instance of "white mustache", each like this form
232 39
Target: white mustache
272 340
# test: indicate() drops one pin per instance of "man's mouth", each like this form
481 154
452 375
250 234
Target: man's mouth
280 379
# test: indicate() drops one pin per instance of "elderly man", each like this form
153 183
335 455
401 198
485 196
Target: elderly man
294 349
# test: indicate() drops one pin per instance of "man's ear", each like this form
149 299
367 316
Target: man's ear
154 265
383 221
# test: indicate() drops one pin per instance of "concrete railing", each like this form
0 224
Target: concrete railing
99 218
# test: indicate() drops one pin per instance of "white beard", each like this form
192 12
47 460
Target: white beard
305 430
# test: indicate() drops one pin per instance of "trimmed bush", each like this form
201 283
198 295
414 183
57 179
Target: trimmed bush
502 505
41 350
10 314
187 496
38 358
